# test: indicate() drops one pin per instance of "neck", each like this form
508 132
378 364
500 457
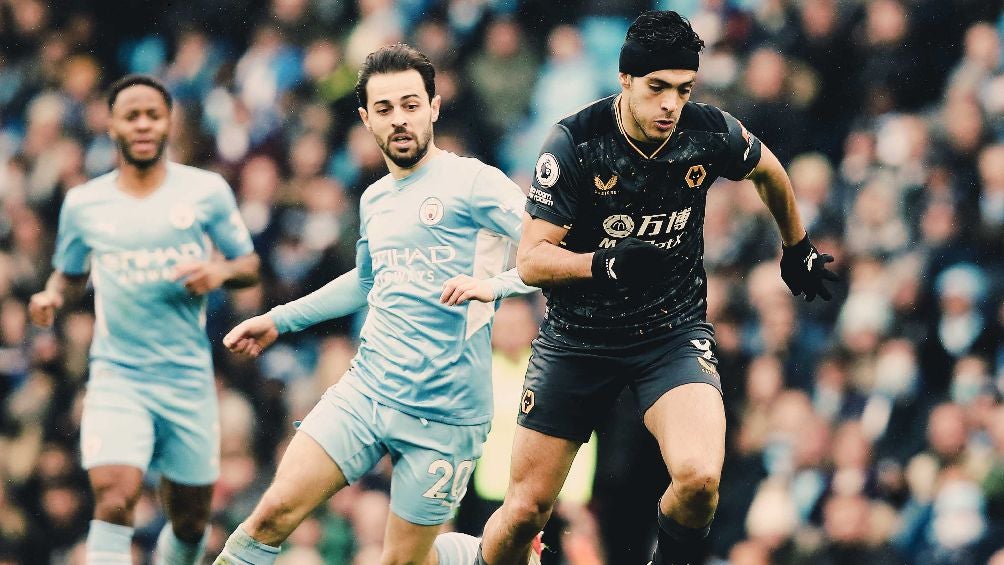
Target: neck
628 123
633 132
141 181
399 172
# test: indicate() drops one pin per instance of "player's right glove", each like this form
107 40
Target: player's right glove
803 269
628 262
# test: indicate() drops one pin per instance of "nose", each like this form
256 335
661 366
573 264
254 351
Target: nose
670 102
399 119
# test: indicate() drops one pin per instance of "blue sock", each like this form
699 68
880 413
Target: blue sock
456 549
108 544
242 549
173 551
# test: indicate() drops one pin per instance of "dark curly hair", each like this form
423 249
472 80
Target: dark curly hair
659 29
393 59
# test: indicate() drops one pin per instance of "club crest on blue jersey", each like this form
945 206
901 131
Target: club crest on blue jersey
181 215
431 211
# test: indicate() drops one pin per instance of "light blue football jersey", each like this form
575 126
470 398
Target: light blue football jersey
130 246
454 215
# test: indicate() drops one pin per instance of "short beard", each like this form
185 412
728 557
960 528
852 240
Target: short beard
141 163
406 161
641 128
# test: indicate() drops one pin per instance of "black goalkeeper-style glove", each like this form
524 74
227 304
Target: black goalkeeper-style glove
803 269
628 262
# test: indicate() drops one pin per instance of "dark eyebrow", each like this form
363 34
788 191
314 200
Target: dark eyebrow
663 83
403 98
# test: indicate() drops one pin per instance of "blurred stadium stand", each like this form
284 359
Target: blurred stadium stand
869 429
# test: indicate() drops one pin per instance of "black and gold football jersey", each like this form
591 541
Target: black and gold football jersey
592 180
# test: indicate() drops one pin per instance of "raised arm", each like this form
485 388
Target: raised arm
775 190
803 268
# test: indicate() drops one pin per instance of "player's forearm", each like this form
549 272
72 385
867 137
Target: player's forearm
774 187
546 264
338 298
510 283
70 288
242 272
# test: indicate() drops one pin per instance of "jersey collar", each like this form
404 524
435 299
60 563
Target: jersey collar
620 126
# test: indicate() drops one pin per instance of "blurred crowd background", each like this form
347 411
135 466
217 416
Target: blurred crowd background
869 429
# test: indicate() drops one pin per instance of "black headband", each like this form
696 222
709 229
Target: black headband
637 60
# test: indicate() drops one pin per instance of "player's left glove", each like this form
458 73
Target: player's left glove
803 269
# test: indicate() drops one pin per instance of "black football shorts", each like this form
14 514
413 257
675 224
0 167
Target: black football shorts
567 391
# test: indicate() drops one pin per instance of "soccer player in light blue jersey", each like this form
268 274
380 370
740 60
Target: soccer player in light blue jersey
142 233
435 238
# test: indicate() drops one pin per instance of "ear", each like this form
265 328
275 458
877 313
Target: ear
365 117
436 103
625 80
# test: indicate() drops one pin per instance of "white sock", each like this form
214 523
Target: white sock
456 549
242 549
173 551
108 544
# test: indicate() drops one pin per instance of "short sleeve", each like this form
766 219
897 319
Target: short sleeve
72 252
554 192
744 149
225 226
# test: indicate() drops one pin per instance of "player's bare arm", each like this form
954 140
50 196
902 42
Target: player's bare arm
774 187
803 268
59 289
202 277
543 262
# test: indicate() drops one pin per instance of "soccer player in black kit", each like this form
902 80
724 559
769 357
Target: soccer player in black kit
615 238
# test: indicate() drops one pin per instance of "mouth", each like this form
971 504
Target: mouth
144 145
664 125
401 140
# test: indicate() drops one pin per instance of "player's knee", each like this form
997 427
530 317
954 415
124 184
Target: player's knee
696 482
115 505
530 512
